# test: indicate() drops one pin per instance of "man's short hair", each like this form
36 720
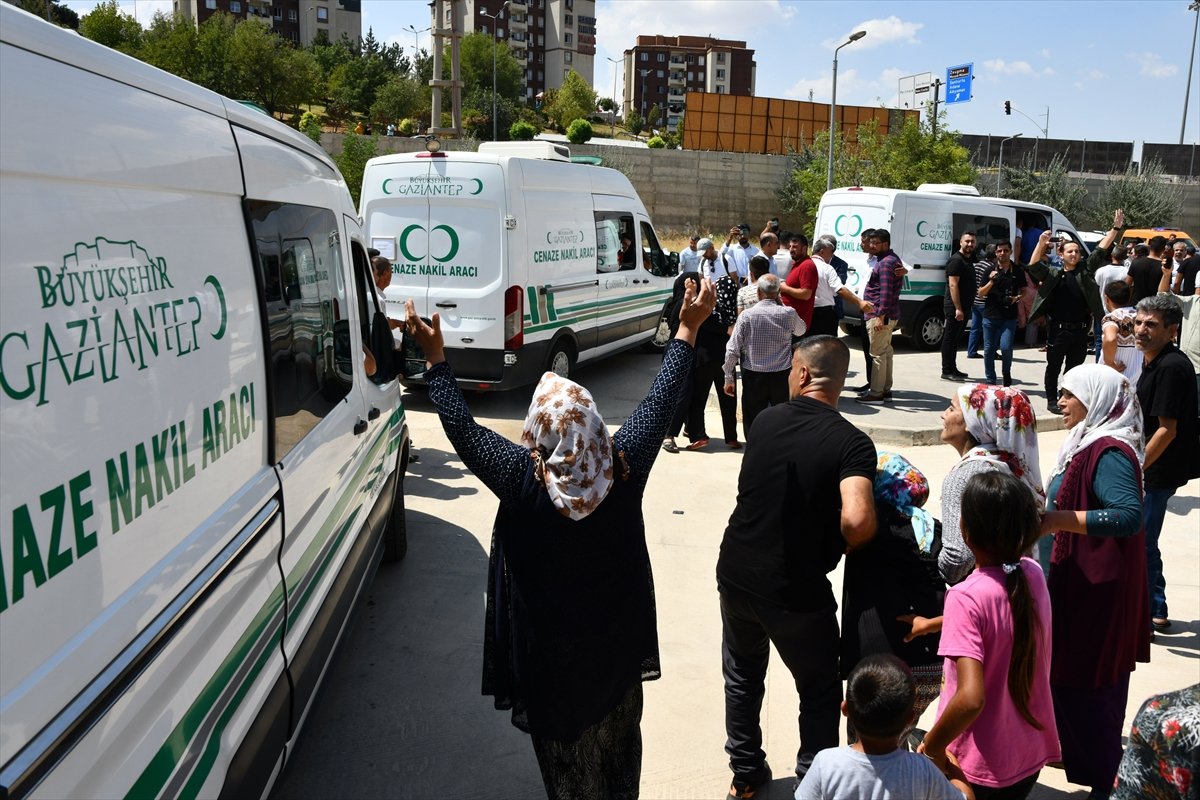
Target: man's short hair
880 695
966 233
1191 249
799 237
768 285
826 357
760 265
1164 305
766 238
372 252
882 235
1141 250
867 234
785 237
1119 292
1157 243
381 265
823 243
1120 252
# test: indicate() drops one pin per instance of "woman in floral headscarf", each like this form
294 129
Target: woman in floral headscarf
1097 580
570 623
992 428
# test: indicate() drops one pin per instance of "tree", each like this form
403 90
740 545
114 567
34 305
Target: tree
172 43
579 131
109 26
310 126
400 97
356 152
573 100
606 104
521 131
634 122
1053 186
271 72
653 116
475 58
1147 199
214 64
51 11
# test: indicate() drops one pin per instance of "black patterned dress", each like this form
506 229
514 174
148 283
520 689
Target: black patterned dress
570 624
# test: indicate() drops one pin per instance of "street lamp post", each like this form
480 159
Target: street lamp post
495 46
416 44
854 37
612 114
1195 6
1000 165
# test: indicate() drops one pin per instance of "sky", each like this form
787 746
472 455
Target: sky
1087 62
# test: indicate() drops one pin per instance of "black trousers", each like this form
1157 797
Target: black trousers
707 375
865 341
1067 347
683 405
760 390
951 335
824 322
808 645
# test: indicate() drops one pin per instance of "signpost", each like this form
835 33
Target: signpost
914 90
958 83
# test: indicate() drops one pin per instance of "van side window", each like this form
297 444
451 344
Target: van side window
652 255
304 304
987 230
615 250
364 287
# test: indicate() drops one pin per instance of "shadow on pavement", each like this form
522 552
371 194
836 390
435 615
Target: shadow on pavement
1182 505
1182 638
429 476
401 706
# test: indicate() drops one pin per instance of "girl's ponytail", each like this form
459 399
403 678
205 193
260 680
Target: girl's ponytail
1026 630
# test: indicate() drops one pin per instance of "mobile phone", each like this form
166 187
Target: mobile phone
1056 239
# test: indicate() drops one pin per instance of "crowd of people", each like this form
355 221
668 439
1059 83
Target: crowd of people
1022 607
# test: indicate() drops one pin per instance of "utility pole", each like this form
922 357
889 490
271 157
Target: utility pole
937 85
1195 6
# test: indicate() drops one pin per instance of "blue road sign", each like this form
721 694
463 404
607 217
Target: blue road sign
958 83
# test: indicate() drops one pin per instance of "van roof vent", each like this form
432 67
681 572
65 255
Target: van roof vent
949 188
548 151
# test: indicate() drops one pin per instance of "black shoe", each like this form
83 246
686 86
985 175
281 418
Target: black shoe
1007 381
745 787
866 387
955 377
974 355
1054 409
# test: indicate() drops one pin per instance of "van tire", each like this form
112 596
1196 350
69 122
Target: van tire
662 334
928 327
395 530
562 358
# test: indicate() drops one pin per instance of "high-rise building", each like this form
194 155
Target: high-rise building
549 37
661 70
298 20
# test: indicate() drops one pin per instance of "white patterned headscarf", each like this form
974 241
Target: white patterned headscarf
1112 410
1001 419
568 437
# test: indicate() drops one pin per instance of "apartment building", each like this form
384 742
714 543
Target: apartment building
661 70
550 37
298 20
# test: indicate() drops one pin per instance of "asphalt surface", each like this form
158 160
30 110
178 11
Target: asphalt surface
401 714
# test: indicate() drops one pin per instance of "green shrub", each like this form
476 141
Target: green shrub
579 131
521 131
407 127
656 142
310 126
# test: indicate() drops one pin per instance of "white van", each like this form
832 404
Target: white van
925 225
517 249
198 477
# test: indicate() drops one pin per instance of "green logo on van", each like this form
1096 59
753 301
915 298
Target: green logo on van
837 225
451 253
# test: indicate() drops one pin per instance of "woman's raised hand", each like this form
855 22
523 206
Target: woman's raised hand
429 337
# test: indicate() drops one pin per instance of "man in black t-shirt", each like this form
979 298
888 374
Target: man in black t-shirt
1188 272
804 495
960 296
1145 271
1167 393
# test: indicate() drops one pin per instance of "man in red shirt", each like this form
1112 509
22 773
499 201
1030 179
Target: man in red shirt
799 289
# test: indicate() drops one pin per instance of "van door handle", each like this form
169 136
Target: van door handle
373 413
360 427
635 280
446 305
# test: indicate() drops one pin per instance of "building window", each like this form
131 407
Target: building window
569 20
211 5
568 38
541 76
661 89
568 56
541 40
662 57
691 76
720 74
720 90
322 14
540 57
659 74
277 12
235 7
293 15
701 61
644 56
570 4
720 58
691 59
500 33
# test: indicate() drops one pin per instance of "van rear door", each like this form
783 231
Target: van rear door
845 215
441 220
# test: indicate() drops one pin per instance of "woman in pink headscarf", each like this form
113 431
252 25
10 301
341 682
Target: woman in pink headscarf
992 428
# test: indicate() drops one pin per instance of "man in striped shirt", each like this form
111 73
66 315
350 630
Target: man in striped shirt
762 341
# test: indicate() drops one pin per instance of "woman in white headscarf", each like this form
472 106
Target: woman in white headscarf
992 428
570 622
1097 581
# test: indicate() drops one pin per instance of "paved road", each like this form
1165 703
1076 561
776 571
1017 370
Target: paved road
402 716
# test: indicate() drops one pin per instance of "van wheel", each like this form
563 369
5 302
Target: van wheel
928 328
395 532
562 359
662 334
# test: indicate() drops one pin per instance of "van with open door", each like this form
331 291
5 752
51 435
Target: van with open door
925 225
533 262
198 472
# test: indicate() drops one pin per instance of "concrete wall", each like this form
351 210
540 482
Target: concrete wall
690 190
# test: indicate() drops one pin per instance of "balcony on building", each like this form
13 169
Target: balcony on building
677 78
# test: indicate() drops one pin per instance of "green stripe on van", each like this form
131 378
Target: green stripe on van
533 304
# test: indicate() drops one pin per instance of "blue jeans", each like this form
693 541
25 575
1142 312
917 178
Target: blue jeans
976 337
1099 331
1154 510
998 333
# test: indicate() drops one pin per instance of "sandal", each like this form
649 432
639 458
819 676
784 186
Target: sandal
1160 623
699 444
670 446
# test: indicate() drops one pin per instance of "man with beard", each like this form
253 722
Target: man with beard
960 297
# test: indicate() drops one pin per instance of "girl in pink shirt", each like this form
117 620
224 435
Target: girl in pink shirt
996 716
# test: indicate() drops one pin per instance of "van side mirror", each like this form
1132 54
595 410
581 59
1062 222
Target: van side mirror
341 348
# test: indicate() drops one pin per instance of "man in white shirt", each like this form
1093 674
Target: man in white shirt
829 286
689 258
738 251
781 260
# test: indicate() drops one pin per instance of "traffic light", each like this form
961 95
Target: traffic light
1008 107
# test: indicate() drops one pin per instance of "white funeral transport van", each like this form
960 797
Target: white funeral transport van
197 477
517 249
925 225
